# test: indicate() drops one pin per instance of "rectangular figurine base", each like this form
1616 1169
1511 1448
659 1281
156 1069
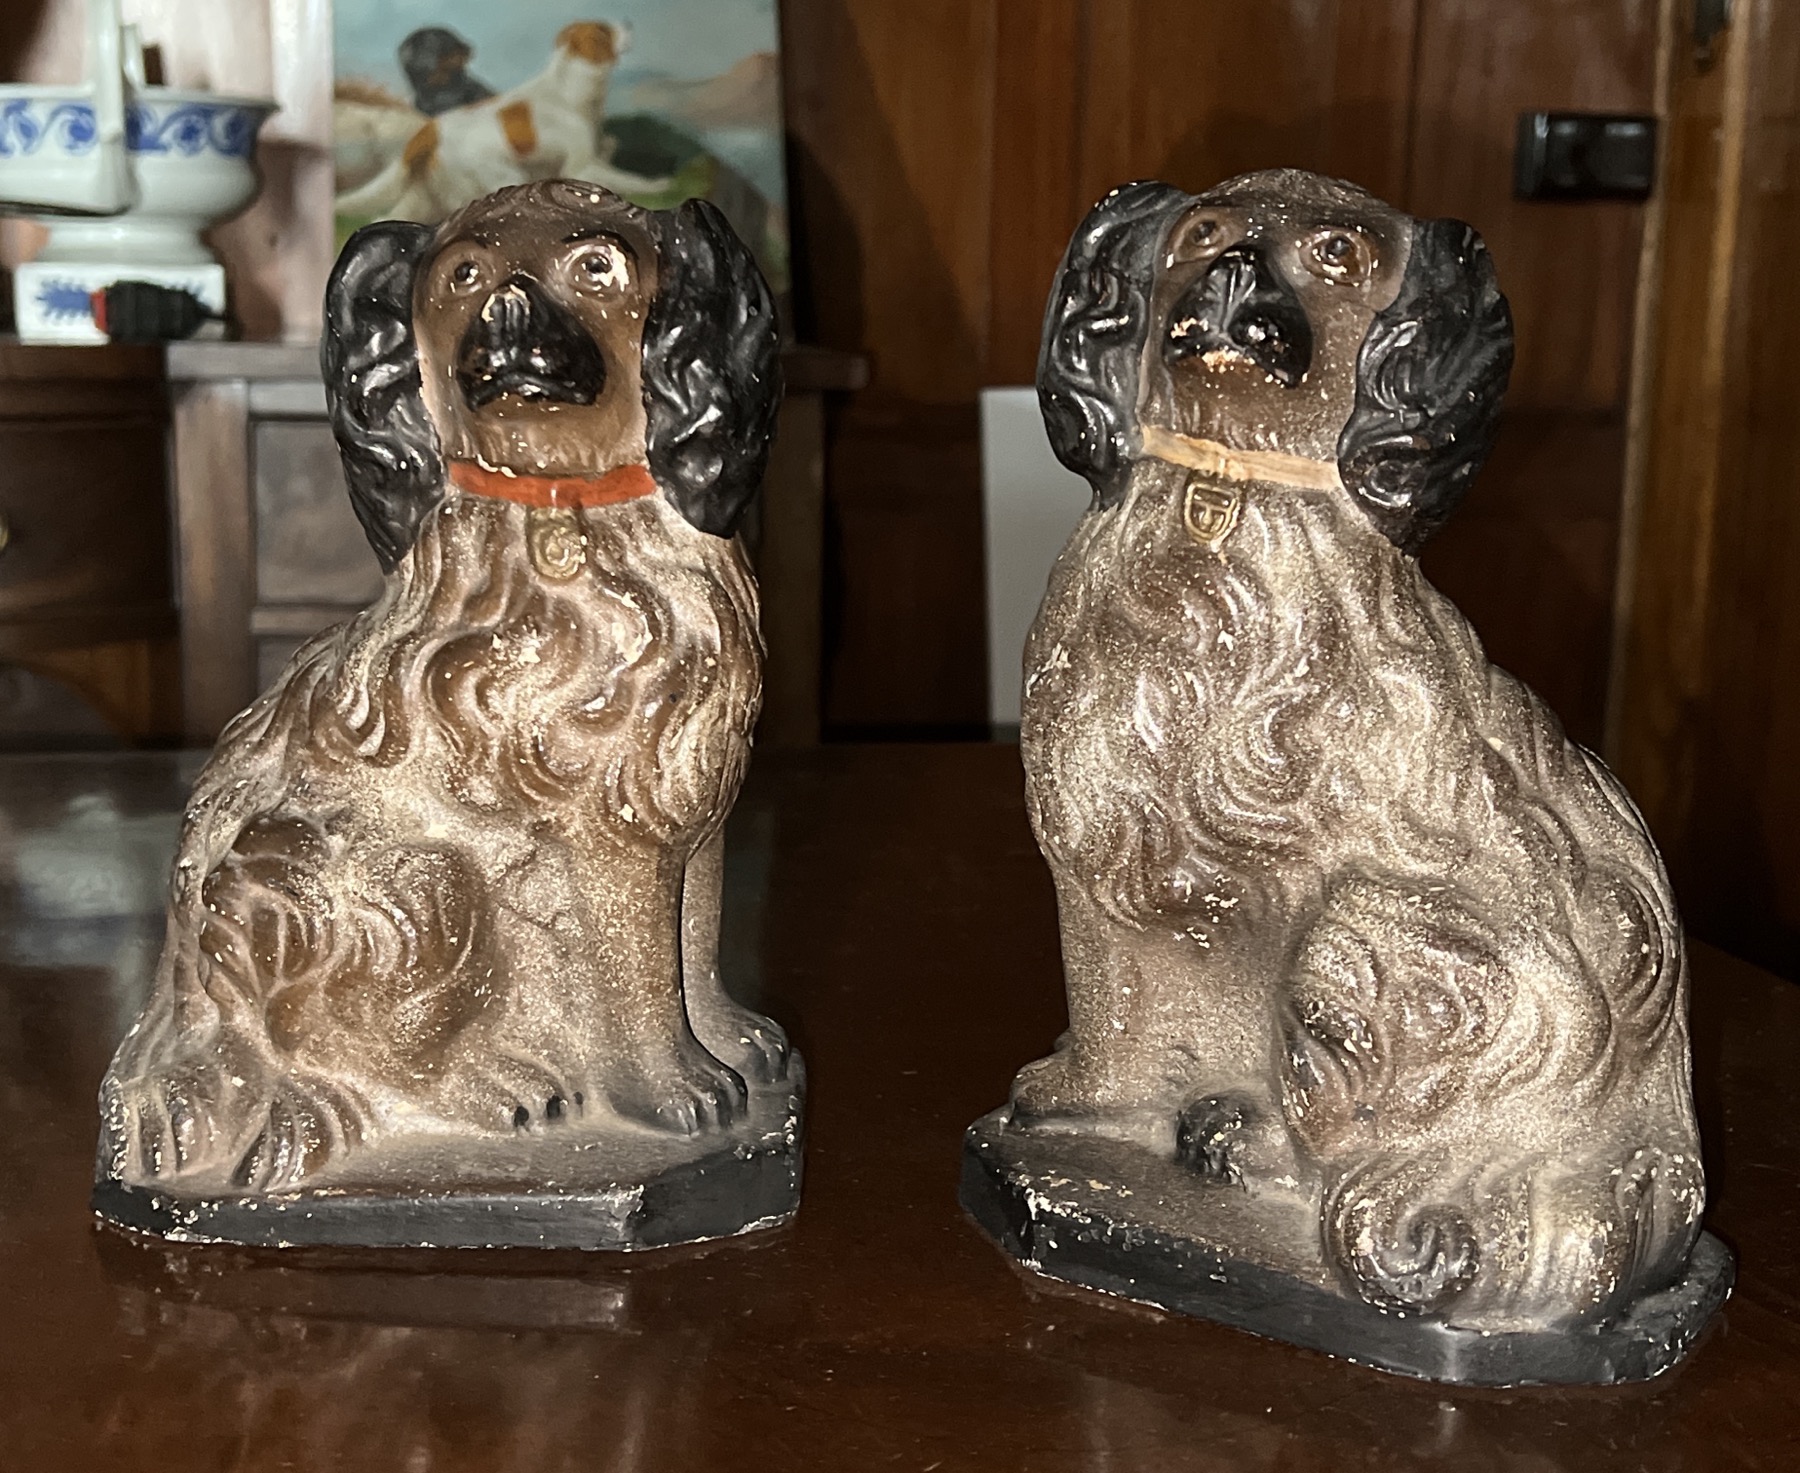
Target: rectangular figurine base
573 1191
1086 1211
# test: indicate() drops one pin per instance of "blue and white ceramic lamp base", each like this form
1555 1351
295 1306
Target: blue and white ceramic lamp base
190 161
53 300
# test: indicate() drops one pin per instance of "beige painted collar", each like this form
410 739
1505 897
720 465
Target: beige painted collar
1213 459
1214 498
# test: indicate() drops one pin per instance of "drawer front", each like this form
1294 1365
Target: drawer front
310 549
86 517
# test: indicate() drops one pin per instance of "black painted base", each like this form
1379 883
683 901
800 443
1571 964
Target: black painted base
1113 1217
619 1189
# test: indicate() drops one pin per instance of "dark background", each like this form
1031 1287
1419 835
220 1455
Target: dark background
943 150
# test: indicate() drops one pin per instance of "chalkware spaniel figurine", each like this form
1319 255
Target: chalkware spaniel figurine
441 959
1377 994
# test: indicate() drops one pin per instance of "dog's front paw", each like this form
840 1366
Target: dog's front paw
687 1091
1061 1093
1045 1090
1056 1089
519 1091
176 1119
189 1120
755 1046
305 1127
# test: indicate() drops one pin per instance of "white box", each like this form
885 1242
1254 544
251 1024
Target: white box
1030 504
51 299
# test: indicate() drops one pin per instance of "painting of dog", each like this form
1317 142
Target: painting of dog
456 876
439 102
1345 915
548 127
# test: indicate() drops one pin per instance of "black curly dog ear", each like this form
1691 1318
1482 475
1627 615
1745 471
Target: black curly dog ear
1429 380
711 369
371 364
1094 333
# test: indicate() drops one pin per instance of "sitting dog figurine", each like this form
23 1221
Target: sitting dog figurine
1377 994
441 960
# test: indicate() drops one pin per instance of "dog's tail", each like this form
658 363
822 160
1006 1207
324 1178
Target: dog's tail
375 199
316 978
407 173
299 967
1546 1240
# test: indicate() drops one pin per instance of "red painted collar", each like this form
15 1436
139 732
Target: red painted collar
622 483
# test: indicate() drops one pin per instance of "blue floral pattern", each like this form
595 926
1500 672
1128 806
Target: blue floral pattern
62 300
26 124
183 128
189 128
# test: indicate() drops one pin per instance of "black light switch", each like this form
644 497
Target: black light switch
1585 156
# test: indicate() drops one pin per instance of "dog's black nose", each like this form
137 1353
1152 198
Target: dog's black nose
1242 304
524 342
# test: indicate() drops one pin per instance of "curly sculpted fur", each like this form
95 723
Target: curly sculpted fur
457 871
1320 864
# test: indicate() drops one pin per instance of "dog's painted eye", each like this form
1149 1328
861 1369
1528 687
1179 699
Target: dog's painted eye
600 268
1198 238
465 276
1345 256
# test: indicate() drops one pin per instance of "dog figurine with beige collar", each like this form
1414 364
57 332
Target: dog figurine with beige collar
445 912
1354 936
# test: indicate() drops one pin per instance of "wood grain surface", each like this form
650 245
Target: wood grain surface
86 596
942 155
888 906
1705 716
941 151
216 566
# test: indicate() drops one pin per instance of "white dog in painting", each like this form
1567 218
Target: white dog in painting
548 128
369 127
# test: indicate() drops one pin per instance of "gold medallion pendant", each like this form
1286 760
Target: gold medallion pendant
1210 511
554 539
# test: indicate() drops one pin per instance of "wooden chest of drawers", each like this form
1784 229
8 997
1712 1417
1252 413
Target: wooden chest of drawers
314 567
84 536
86 580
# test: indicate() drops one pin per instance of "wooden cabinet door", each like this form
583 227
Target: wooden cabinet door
1705 712
944 153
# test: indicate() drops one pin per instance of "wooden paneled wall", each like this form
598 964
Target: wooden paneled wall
1706 714
943 151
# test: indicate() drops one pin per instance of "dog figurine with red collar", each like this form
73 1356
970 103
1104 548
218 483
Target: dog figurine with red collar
442 949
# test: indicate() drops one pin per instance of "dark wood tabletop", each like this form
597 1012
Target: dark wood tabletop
888 905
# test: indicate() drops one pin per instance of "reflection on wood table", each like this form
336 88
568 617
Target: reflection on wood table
888 905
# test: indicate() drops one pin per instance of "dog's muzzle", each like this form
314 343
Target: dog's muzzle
523 342
1241 305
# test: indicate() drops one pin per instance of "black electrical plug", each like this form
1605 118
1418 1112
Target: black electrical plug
143 312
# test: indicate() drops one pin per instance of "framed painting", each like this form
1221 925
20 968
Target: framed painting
438 102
